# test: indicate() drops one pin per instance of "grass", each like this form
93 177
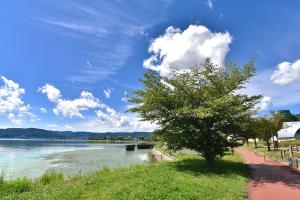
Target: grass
261 148
187 178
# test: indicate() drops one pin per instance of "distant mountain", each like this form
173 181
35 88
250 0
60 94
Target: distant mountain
34 133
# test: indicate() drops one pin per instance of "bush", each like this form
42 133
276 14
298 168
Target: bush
289 142
50 177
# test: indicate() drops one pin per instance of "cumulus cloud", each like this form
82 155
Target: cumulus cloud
69 108
265 103
107 93
11 102
14 120
106 119
281 95
109 119
52 92
286 73
43 110
186 49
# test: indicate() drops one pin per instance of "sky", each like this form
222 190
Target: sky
69 65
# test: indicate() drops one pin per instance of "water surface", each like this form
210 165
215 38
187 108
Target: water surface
31 158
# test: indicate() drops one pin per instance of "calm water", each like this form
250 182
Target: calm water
31 158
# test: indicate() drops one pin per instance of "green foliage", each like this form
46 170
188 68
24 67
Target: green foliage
188 178
288 116
249 128
50 177
268 127
142 138
200 109
18 186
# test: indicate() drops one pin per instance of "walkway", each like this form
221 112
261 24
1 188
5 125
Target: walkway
158 155
269 179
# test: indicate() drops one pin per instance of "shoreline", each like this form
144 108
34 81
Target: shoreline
155 155
69 140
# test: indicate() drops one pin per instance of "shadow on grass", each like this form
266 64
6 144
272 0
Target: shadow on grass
222 167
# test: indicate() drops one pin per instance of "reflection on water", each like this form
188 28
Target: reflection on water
31 158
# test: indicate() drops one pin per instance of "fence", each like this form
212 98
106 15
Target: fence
292 155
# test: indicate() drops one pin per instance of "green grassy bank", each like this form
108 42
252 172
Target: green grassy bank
186 178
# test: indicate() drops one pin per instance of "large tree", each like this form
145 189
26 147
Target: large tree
201 109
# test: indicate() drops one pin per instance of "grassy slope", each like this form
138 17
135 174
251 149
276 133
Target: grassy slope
187 178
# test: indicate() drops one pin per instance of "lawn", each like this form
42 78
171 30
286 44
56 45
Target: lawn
186 178
261 148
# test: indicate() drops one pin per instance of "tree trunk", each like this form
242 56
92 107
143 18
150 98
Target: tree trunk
210 159
273 141
255 145
247 142
211 162
268 145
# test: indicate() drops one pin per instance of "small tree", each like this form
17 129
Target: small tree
250 130
199 109
129 138
141 138
277 120
269 126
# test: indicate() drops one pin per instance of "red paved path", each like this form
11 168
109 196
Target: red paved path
270 180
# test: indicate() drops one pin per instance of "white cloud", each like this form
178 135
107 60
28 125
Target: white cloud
83 28
107 93
286 73
265 103
281 95
125 97
108 22
11 102
210 4
16 121
53 127
68 127
183 50
109 119
43 110
52 92
70 108
129 106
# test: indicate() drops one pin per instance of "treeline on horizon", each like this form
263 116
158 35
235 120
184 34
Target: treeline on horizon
34 133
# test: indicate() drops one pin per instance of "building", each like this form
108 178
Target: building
290 131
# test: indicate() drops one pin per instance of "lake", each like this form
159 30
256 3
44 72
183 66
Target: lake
32 158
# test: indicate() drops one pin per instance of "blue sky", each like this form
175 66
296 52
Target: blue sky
69 65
